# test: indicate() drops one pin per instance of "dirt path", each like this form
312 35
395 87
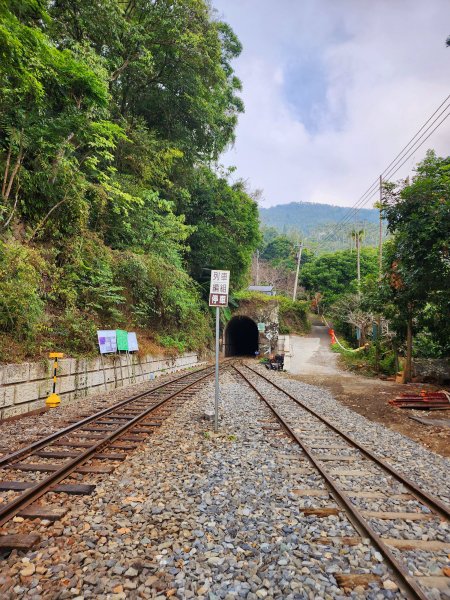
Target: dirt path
313 362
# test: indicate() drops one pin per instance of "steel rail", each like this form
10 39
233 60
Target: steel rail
431 501
405 580
32 494
41 443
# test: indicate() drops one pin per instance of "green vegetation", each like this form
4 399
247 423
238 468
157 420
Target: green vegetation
293 315
111 115
313 223
367 362
410 297
334 273
306 216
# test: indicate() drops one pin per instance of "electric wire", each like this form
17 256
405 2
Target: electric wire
389 170
393 167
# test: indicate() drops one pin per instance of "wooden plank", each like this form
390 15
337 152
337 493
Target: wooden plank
97 428
431 545
43 512
441 583
300 470
320 512
77 489
327 446
428 421
404 516
351 473
311 492
50 467
353 580
336 457
81 444
147 430
375 495
70 454
19 541
344 541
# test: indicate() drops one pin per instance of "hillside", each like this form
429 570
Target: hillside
308 216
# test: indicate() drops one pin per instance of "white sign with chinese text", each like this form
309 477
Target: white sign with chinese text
132 342
107 341
218 290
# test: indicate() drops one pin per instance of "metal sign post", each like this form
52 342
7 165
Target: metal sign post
218 297
216 392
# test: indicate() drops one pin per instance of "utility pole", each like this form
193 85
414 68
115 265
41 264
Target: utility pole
299 258
380 262
358 261
257 267
380 240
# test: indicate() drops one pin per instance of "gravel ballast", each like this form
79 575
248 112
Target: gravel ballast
191 514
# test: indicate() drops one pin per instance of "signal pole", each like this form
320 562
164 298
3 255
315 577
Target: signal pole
299 258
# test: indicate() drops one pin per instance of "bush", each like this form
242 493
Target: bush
365 361
293 316
134 275
21 302
167 341
425 346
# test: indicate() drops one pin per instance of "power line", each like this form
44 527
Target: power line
393 167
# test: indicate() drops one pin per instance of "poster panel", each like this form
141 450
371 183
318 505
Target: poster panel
122 340
132 342
107 341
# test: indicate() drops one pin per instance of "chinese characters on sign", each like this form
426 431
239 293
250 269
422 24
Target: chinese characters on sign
107 341
218 291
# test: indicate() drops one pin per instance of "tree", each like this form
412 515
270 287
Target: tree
111 115
333 274
418 260
226 224
168 63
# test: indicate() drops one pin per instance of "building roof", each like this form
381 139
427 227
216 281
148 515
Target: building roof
260 288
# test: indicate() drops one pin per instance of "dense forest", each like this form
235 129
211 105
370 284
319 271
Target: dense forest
113 116
320 224
306 216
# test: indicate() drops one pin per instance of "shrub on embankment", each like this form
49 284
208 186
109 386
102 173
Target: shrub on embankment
293 315
51 299
112 208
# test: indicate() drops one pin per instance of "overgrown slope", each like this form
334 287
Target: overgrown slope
111 115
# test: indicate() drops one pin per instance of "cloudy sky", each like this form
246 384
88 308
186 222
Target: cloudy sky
333 90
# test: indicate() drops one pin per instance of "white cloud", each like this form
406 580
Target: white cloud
385 70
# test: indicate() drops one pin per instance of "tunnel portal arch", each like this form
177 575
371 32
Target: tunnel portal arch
241 337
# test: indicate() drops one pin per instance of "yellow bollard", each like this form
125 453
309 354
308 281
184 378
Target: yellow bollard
54 400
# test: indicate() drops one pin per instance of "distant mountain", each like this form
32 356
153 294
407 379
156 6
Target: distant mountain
308 216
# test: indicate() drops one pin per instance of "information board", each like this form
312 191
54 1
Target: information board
132 342
122 340
107 341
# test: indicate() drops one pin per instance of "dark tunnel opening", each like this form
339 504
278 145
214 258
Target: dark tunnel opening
241 337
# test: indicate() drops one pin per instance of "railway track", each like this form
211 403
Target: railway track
336 456
105 436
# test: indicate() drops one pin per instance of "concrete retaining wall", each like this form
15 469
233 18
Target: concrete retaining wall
25 387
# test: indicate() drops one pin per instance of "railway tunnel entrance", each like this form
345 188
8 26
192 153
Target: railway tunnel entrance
241 337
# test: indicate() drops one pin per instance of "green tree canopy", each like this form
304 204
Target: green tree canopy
334 274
